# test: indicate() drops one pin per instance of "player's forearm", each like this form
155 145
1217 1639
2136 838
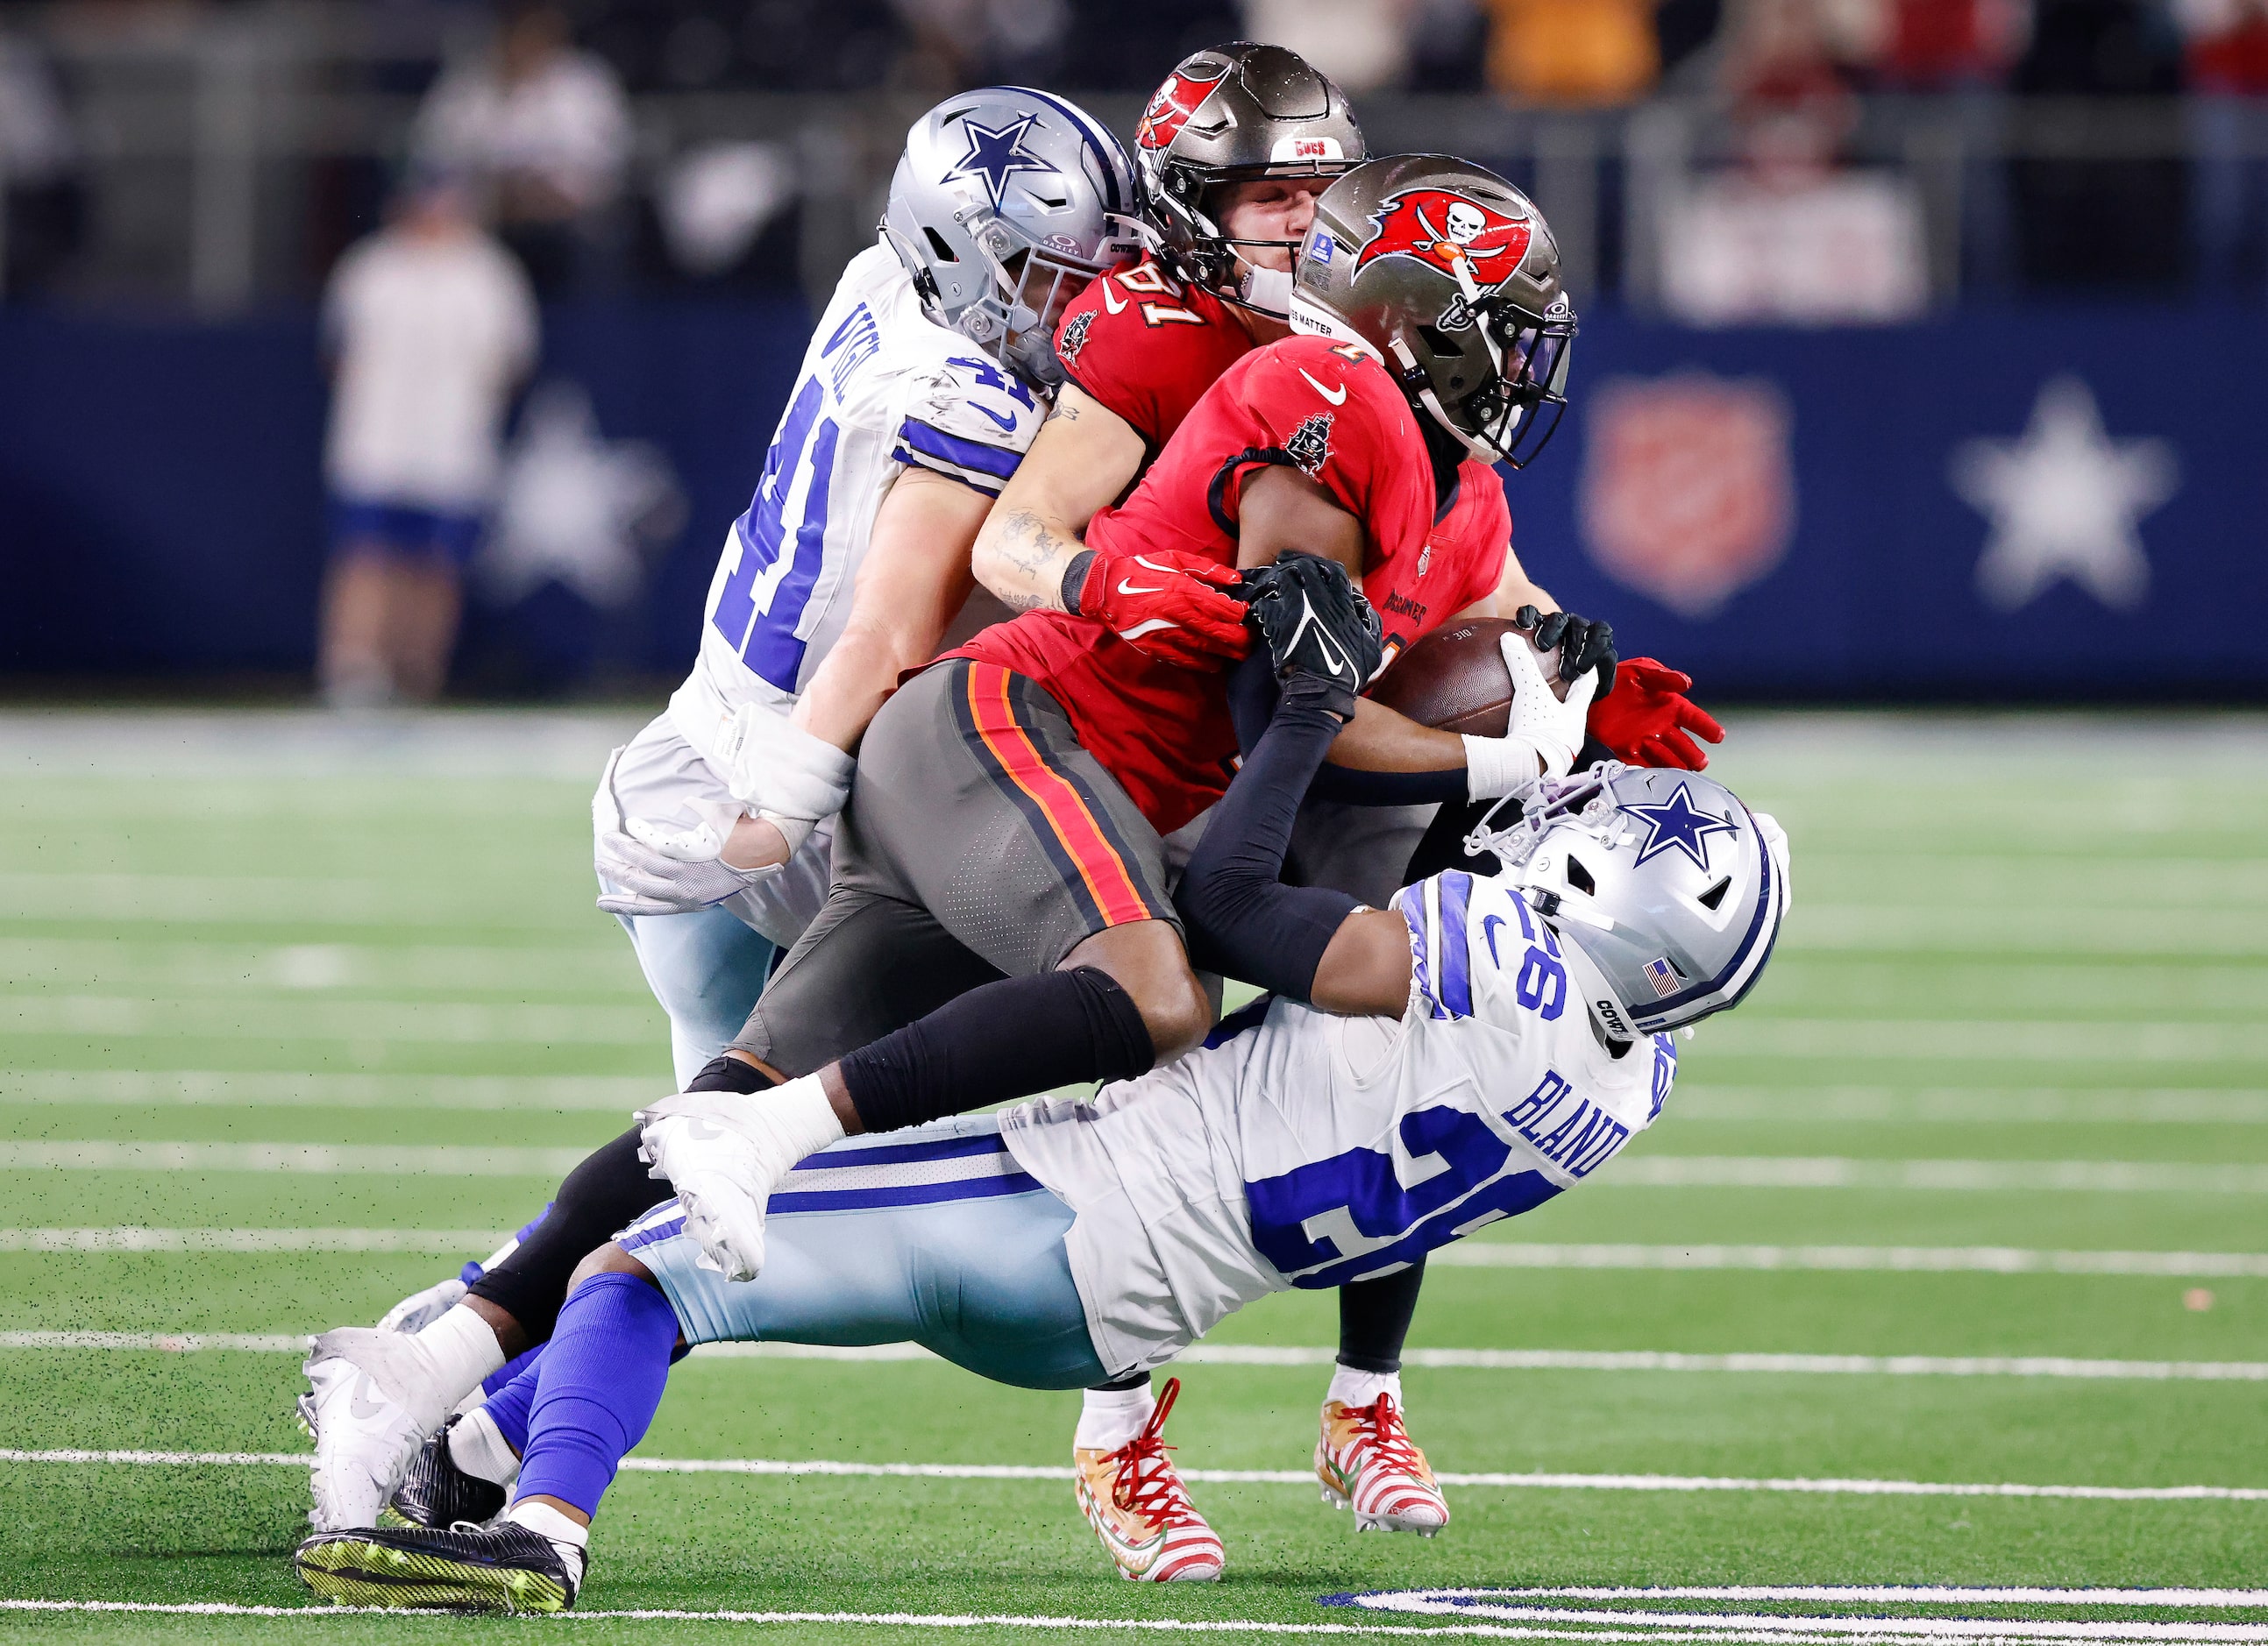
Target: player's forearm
1022 556
860 674
1381 740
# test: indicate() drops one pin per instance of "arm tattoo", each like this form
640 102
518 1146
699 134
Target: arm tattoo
1026 543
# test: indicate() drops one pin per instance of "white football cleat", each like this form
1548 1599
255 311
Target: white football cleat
1134 1499
371 1404
1367 1462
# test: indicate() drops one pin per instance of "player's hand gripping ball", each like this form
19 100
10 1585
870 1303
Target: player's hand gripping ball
1455 680
1581 643
1314 621
1165 605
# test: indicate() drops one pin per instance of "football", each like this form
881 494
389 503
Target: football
1455 678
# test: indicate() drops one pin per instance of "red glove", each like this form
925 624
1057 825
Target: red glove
1646 719
1167 604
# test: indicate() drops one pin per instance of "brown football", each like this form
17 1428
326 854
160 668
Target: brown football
1455 678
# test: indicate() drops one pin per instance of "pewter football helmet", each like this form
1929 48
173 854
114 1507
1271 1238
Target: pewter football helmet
1006 204
1237 114
1449 276
1669 888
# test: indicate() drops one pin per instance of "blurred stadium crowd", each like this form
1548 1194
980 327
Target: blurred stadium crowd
223 151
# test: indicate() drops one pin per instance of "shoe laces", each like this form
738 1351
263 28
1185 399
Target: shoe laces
1146 1483
1381 1425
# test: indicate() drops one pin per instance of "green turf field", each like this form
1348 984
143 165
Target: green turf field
1974 1192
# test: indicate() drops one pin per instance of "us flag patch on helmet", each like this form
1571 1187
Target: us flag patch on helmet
1663 976
1310 444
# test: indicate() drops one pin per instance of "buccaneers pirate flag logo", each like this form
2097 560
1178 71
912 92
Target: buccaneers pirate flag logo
1170 109
1436 226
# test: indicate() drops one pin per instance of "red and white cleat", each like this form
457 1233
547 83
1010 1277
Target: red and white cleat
1134 1501
1367 1462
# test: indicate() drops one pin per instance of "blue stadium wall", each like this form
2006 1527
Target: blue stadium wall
1994 506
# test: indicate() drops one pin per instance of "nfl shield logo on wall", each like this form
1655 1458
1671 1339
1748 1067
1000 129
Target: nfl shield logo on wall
1688 486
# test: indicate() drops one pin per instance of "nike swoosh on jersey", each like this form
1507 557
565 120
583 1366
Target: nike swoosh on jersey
1116 305
1488 930
1336 397
1007 424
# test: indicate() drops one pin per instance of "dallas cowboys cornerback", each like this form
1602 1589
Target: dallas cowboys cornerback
924 383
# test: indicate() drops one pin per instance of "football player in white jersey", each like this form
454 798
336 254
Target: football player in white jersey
1420 1071
925 379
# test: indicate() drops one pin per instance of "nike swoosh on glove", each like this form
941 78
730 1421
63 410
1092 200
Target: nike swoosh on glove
657 871
1650 722
1167 604
1316 621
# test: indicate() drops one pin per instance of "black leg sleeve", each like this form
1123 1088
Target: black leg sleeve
605 1194
1374 1318
1007 1040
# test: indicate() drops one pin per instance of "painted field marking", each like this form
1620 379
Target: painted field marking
1904 1594
1431 1359
449 1241
1983 1260
442 1160
220 1088
1758 1630
286 1018
2021 1039
1784 1171
1537 1480
1463 1254
1975 1105
1830 1171
1496 1604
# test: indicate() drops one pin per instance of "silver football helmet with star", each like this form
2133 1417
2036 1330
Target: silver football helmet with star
1004 204
1667 889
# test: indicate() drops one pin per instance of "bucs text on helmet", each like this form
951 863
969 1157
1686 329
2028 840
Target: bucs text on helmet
1004 204
1450 276
1665 893
1237 114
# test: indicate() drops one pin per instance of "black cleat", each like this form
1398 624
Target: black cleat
436 1493
499 1567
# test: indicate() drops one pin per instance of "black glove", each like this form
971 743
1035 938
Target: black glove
1583 644
1314 621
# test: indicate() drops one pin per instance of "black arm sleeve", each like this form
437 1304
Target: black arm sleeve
1242 920
1252 700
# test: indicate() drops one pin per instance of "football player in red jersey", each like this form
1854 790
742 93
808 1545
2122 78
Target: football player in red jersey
1000 866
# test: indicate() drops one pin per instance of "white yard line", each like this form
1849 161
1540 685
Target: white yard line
1464 1254
475 1242
1536 1480
2021 1039
441 1160
221 1088
1903 1594
1431 1359
1983 1259
1782 1172
1829 1171
291 1017
1971 1105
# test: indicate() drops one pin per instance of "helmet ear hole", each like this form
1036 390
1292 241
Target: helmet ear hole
1579 878
937 249
1714 897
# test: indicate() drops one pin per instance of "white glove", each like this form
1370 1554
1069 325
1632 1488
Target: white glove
420 1308
658 871
789 777
1542 736
723 1152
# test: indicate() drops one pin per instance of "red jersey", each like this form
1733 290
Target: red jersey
1331 412
1147 347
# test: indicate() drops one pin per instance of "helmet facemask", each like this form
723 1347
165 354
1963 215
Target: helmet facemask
1032 285
1523 359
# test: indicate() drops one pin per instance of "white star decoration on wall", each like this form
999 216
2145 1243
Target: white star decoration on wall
2065 500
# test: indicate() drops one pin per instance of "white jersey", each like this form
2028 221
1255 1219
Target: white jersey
881 386
1298 1149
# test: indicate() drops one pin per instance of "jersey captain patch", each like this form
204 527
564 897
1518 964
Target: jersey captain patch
1310 444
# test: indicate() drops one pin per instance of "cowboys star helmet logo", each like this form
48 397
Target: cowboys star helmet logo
1074 337
1175 101
1677 824
996 156
1437 226
1310 444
